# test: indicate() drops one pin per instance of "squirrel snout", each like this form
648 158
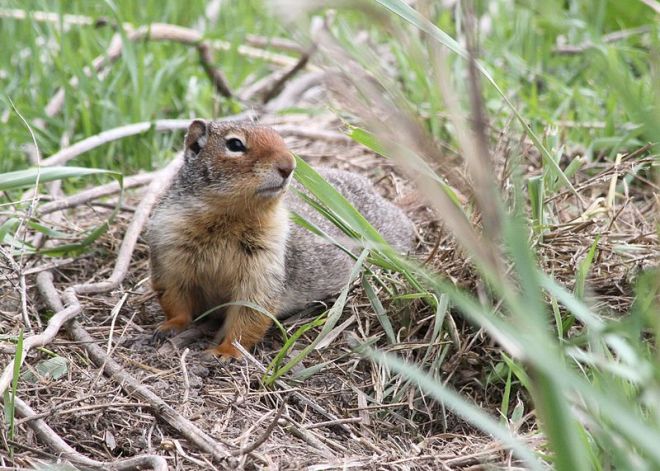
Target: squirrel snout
285 168
278 176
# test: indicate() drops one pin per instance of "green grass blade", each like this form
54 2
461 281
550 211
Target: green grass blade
336 202
470 412
409 14
583 269
10 395
34 176
26 178
381 315
333 316
535 189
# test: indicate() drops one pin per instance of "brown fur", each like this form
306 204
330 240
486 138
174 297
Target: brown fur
213 247
222 235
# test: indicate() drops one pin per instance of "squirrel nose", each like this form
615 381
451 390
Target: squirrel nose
285 168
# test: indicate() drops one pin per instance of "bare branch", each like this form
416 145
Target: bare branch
115 371
63 450
217 77
110 135
54 326
157 186
276 87
571 49
96 192
277 43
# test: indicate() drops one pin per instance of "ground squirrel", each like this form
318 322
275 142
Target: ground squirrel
222 233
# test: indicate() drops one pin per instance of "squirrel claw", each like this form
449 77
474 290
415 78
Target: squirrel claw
225 352
164 331
160 336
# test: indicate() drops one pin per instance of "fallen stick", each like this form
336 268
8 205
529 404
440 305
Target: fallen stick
276 86
153 32
92 142
39 340
253 51
295 395
295 90
49 437
40 427
116 372
276 43
160 125
173 33
313 134
133 231
91 194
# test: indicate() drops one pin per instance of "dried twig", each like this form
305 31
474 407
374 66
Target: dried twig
152 32
308 437
260 441
97 192
81 20
167 32
294 395
131 385
186 379
47 17
277 85
63 450
20 274
54 326
133 231
217 77
276 43
295 89
653 5
571 49
59 411
313 134
114 134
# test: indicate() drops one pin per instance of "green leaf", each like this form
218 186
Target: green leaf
34 176
370 141
333 316
10 394
536 198
29 177
52 368
381 315
341 208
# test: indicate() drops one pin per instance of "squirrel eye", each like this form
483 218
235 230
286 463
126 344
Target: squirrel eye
235 145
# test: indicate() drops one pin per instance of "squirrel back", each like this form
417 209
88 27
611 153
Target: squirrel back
308 253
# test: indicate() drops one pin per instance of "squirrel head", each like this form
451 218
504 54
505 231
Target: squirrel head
237 160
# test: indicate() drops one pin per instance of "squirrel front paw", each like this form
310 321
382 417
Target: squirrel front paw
168 329
173 326
225 351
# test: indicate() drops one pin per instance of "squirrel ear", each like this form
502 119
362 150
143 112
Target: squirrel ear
196 136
